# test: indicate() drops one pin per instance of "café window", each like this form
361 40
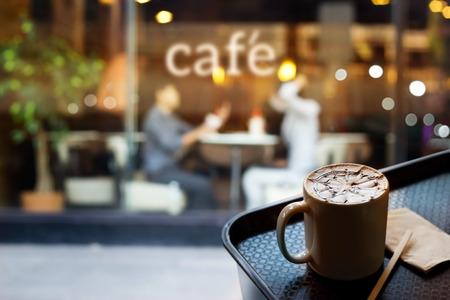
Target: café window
83 77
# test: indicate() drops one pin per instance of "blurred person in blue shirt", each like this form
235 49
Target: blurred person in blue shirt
168 137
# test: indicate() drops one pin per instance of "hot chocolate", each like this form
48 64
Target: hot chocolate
346 183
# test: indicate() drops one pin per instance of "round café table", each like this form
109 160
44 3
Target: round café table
233 146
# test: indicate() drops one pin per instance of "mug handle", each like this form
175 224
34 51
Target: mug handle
283 218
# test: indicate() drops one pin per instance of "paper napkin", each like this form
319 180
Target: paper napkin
428 245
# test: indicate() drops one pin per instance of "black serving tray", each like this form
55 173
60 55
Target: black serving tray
422 185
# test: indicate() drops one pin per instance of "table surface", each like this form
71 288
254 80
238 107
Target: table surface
240 139
258 254
289 281
344 137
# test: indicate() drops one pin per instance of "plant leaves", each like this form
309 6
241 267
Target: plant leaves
17 135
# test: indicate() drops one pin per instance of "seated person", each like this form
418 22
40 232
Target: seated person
168 137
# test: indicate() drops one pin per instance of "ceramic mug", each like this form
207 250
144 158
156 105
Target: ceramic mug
345 214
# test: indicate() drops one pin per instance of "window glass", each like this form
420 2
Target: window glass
87 79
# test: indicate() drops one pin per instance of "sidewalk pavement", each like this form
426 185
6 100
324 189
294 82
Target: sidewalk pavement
96 272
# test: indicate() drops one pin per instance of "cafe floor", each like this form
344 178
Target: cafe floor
109 272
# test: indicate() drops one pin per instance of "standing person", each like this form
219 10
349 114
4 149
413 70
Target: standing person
300 132
168 137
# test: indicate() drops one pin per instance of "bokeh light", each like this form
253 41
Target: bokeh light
72 108
340 74
388 103
110 102
380 2
444 131
446 12
436 129
218 75
90 100
411 119
109 86
428 119
391 75
164 17
437 6
417 88
287 70
364 50
375 71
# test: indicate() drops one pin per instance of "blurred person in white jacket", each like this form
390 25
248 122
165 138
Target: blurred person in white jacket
300 132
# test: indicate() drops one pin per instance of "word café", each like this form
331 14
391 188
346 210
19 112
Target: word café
206 57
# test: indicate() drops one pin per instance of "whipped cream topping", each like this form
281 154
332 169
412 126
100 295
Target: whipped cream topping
348 184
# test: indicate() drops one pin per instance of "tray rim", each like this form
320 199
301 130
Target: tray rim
437 159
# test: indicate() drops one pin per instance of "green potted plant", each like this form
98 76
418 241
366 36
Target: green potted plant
40 77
